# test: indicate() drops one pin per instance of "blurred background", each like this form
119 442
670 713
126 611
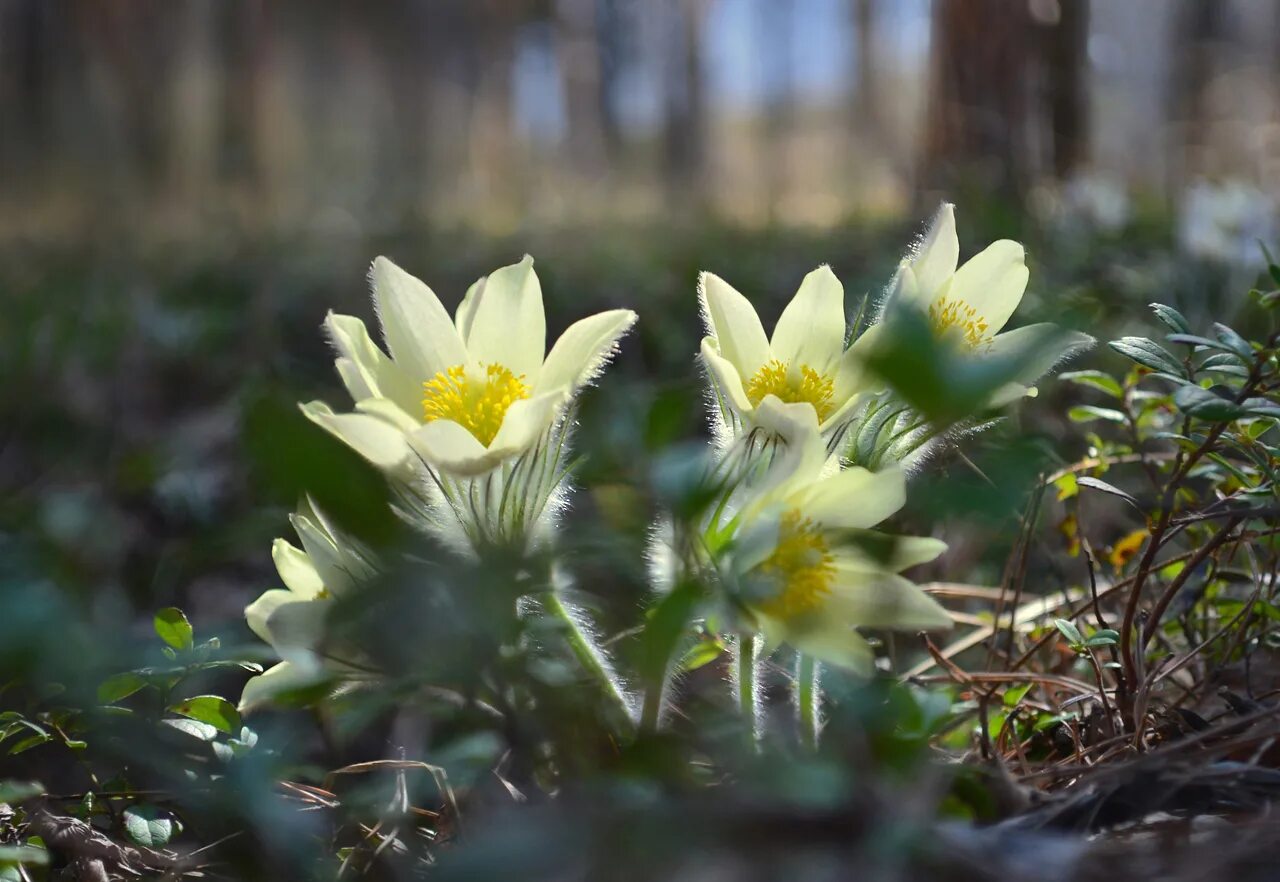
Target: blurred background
189 185
177 121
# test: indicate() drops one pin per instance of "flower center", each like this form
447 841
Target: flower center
773 379
476 405
804 566
945 315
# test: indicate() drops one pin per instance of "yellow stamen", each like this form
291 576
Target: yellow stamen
804 566
477 406
947 314
813 387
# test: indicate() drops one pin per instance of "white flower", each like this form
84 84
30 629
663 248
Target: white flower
475 401
970 304
804 362
292 618
807 565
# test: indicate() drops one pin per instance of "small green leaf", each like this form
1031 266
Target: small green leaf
1087 413
701 653
1171 317
1069 631
1095 379
1233 341
194 728
29 742
19 791
1099 484
1205 405
1148 353
1015 694
149 826
1104 637
173 628
212 709
120 686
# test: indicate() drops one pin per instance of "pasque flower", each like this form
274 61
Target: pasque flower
805 564
804 362
292 618
971 303
475 400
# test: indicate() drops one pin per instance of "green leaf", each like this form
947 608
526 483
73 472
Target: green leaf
1148 353
1171 317
120 686
1087 413
29 742
1233 341
1205 405
173 628
1103 637
1015 694
19 791
1196 340
1099 484
701 653
664 630
1099 380
194 728
23 855
1069 631
149 826
212 709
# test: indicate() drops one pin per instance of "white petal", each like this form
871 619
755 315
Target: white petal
298 625
935 262
389 412
899 552
524 421
884 601
992 282
850 375
835 644
725 376
854 498
466 312
378 373
508 326
732 320
419 333
296 570
812 327
325 556
257 613
582 350
356 383
370 436
284 677
450 447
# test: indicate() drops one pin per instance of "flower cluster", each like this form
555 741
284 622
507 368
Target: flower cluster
469 417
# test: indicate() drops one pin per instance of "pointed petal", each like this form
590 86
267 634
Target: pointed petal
296 569
508 326
992 282
725 376
582 350
466 313
378 373
450 447
873 552
884 601
298 625
389 412
324 554
732 320
812 327
851 376
854 498
935 261
835 644
419 333
524 421
373 438
257 613
284 677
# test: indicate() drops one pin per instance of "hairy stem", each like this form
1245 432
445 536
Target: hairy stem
807 699
747 649
592 658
